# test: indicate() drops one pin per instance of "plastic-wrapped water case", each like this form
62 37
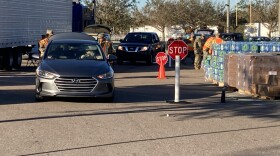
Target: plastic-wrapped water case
265 47
238 47
233 47
245 47
254 48
226 47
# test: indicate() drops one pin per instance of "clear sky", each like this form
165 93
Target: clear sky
232 2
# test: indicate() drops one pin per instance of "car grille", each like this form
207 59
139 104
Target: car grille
131 49
72 84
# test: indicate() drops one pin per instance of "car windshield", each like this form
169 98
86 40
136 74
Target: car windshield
205 31
277 39
81 51
138 38
232 37
259 39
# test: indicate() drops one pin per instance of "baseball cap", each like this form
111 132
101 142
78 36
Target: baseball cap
101 35
50 32
216 33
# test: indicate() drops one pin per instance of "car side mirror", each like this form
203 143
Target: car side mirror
121 40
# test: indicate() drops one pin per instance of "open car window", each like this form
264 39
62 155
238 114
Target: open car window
74 51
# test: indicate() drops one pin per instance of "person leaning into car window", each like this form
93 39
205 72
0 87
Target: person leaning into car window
106 45
100 38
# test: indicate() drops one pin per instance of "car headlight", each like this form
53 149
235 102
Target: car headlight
120 48
144 48
108 75
45 74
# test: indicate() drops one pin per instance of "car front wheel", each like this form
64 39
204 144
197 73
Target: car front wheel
39 98
149 60
119 61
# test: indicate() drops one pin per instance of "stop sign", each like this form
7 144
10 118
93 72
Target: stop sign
178 47
161 58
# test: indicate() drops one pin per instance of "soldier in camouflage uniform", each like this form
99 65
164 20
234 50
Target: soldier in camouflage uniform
198 44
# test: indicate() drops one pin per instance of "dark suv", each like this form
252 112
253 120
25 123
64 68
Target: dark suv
139 46
232 36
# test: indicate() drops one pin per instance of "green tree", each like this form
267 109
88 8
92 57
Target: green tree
158 14
115 13
138 18
266 12
195 13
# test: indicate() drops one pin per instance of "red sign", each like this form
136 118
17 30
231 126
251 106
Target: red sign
178 47
161 58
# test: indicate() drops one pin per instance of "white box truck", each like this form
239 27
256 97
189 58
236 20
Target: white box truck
22 22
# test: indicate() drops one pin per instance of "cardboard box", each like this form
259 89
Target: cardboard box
254 69
273 80
230 69
268 90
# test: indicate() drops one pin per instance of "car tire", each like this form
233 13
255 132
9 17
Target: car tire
8 60
106 99
110 99
149 60
119 61
39 98
132 61
17 59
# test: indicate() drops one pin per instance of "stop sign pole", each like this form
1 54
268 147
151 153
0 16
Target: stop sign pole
177 79
177 50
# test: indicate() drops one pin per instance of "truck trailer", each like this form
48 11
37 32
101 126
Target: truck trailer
23 22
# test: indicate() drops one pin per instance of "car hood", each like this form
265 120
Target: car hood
76 68
134 44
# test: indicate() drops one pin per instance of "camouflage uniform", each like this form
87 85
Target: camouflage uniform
197 52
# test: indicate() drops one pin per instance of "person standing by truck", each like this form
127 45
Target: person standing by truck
42 45
44 42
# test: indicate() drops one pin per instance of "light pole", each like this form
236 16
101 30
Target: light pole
250 12
94 11
279 17
236 19
228 10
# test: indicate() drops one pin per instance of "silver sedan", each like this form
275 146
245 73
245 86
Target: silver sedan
74 67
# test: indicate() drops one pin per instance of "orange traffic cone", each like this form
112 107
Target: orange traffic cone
161 72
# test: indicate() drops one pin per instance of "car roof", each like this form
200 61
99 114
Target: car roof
205 29
197 34
142 33
257 36
72 36
74 41
210 30
230 33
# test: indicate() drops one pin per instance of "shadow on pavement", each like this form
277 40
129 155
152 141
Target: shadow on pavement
246 152
17 96
205 98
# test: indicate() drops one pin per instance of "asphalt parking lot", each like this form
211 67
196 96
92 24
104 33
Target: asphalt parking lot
139 121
